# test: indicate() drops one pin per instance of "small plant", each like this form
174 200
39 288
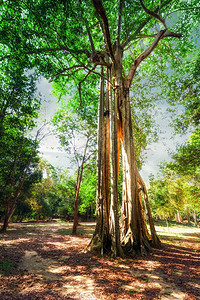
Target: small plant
167 292
5 267
65 261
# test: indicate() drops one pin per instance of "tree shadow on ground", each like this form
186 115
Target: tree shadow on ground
179 265
70 272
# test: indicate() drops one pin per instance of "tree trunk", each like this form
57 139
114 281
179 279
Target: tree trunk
179 218
155 240
188 215
75 223
10 208
5 224
133 231
78 184
195 218
135 237
101 238
106 158
116 249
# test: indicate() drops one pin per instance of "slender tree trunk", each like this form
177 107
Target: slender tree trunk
135 237
11 207
155 240
8 214
106 167
78 184
5 224
101 237
195 218
178 218
188 215
116 249
75 223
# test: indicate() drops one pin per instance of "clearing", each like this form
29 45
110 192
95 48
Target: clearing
43 261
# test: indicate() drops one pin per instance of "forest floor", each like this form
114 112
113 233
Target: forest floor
44 261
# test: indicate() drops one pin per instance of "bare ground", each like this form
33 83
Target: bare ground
43 261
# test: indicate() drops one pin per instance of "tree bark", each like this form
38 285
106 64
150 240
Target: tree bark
178 217
135 237
155 239
77 190
188 215
101 238
132 236
10 208
5 224
195 218
116 249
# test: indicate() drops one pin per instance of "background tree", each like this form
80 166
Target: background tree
38 199
18 151
53 196
159 199
88 192
23 209
77 138
186 161
176 192
186 164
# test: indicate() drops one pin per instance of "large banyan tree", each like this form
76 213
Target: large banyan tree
75 39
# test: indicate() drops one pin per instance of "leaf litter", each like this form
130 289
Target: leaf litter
41 261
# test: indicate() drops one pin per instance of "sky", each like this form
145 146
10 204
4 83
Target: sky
51 150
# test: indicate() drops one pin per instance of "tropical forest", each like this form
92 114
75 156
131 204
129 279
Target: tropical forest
99 149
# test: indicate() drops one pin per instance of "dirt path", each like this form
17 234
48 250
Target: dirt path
43 261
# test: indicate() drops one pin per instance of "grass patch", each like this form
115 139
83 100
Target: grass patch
64 231
5 267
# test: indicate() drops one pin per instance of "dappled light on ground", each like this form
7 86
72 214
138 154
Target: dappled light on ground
178 232
43 261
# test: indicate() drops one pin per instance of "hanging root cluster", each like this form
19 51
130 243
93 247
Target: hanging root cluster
126 234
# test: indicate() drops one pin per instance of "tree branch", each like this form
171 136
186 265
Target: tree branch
102 13
66 69
88 30
119 20
90 71
152 13
99 75
171 34
136 31
53 29
79 85
141 37
146 36
162 34
142 25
